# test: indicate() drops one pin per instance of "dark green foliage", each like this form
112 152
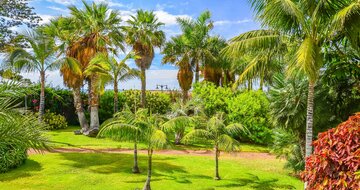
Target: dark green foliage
251 109
11 156
54 121
17 13
212 97
157 102
106 108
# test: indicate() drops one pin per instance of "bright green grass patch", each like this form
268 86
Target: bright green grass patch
66 139
113 171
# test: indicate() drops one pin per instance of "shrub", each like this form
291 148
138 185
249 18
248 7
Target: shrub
212 97
106 108
54 121
336 158
251 109
157 102
11 156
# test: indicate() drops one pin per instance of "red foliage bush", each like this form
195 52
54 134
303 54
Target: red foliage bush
336 158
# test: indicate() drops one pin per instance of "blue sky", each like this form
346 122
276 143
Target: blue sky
230 17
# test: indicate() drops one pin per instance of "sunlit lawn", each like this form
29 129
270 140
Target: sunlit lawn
106 171
66 139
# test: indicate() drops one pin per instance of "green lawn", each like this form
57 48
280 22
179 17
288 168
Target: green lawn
66 139
106 171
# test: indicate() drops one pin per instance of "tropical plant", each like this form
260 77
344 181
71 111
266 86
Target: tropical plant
41 59
177 52
112 71
137 127
310 24
335 160
219 134
18 131
196 34
98 30
54 121
143 33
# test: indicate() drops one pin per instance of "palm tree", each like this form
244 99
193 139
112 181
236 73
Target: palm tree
258 59
196 33
219 134
310 23
112 71
98 31
119 126
178 53
41 59
138 127
143 34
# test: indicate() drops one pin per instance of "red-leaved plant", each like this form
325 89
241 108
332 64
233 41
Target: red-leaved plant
336 158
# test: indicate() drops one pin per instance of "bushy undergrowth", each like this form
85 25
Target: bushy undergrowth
54 121
11 156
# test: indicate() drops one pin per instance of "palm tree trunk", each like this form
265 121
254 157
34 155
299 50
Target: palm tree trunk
185 96
116 97
42 95
80 110
94 107
261 83
143 87
217 176
147 183
135 169
178 137
197 73
309 120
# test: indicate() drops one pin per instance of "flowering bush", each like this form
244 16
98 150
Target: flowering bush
336 158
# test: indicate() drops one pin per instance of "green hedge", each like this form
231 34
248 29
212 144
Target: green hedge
11 156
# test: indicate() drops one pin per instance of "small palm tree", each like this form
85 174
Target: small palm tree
220 134
112 71
143 34
40 59
138 127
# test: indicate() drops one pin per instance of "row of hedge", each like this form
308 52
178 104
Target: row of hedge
60 101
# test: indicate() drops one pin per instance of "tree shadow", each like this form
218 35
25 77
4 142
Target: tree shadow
108 163
23 171
256 183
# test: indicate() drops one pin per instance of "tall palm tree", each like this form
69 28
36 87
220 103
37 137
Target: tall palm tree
112 71
143 33
178 53
196 33
40 59
219 134
62 29
141 126
98 31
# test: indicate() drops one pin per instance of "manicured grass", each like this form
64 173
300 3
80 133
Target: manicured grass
66 139
59 171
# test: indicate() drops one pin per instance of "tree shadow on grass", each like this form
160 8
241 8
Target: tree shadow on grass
256 183
22 171
108 163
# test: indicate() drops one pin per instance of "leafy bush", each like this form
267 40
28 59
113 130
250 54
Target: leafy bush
214 98
251 109
336 158
11 156
106 108
157 102
54 121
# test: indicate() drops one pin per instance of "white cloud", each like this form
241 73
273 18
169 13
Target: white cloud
65 11
46 18
224 22
63 2
110 3
167 18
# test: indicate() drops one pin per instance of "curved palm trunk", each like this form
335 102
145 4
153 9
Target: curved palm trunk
147 183
217 152
80 110
94 107
116 97
143 87
178 136
309 120
42 95
185 96
135 169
